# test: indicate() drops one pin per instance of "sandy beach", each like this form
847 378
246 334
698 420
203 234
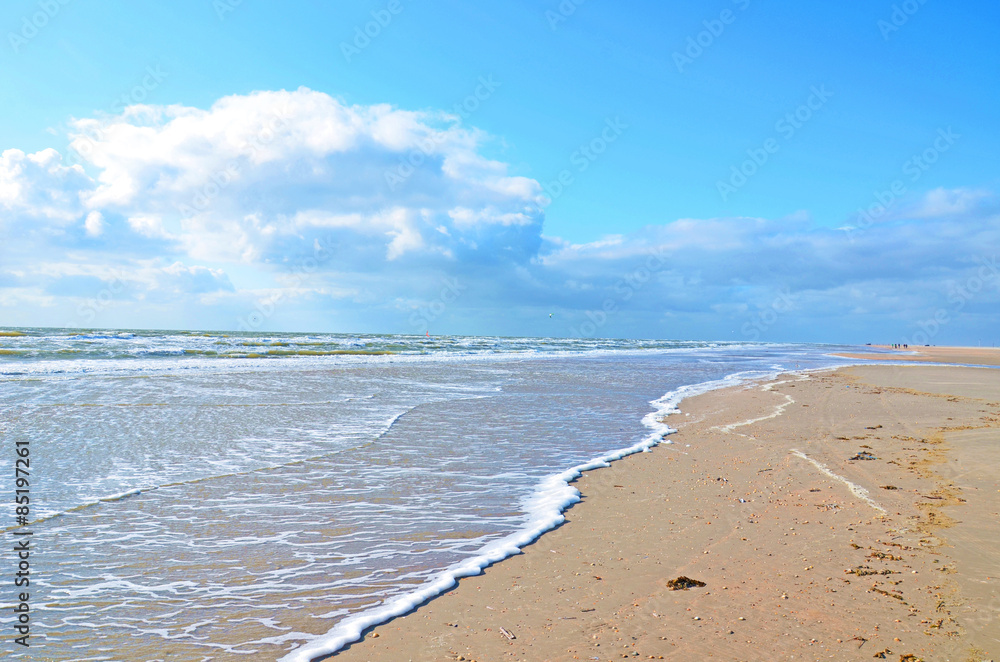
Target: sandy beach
960 355
844 515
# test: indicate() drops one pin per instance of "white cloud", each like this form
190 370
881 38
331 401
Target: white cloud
464 217
256 174
94 224
348 209
39 187
948 202
146 225
180 279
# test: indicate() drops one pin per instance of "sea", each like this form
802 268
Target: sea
253 496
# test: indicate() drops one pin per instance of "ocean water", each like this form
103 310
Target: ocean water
207 496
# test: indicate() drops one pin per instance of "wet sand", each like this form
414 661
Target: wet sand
837 516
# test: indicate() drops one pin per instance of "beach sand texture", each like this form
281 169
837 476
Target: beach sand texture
849 515
964 355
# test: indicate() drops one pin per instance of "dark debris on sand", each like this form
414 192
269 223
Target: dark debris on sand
683 583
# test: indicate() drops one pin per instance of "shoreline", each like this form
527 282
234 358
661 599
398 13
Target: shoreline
464 622
547 507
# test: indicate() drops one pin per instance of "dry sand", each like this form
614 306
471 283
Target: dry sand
963 355
806 553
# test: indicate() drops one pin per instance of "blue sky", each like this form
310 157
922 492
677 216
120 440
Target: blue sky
638 169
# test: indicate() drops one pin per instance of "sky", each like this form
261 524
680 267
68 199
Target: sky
725 170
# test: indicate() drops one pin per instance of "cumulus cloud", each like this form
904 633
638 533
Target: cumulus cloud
255 172
146 225
94 224
39 187
258 181
340 213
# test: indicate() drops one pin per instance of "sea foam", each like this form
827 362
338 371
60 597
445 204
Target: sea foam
544 508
